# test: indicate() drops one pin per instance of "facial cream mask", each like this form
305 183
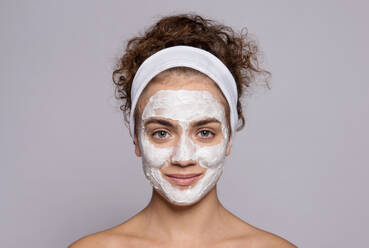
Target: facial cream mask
185 107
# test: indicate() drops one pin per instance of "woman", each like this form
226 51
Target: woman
181 84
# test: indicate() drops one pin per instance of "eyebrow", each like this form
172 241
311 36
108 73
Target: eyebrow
205 122
159 121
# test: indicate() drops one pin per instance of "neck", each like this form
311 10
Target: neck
183 222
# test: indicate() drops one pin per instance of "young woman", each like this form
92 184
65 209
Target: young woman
181 84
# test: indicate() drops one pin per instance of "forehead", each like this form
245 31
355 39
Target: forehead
184 105
178 86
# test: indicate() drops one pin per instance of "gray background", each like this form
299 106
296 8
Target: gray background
68 169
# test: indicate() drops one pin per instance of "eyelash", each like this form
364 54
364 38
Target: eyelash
159 133
210 133
156 133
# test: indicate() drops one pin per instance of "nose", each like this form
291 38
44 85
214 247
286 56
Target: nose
184 152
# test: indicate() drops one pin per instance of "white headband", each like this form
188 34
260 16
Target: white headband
185 56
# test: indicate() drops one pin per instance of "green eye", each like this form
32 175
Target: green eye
205 134
161 134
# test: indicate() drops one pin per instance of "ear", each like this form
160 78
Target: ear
137 147
228 151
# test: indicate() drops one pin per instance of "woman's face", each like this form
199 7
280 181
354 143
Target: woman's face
182 135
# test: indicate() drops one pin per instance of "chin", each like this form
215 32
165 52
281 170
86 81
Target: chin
179 202
180 196
183 196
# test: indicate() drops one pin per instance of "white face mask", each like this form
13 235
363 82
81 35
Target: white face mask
183 106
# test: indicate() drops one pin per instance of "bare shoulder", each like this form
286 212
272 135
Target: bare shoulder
121 236
104 239
257 238
118 236
263 239
246 235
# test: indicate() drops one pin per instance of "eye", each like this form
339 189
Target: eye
161 134
206 134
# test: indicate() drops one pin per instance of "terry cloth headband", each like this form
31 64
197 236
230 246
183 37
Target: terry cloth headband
185 56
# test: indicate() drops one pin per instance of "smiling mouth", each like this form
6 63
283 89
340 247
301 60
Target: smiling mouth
184 179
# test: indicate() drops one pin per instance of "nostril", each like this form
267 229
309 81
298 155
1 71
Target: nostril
183 163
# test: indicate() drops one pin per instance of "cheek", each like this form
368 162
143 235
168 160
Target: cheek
212 156
153 156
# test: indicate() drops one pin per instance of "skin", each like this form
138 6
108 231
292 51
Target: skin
162 224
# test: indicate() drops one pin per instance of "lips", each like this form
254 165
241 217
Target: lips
184 179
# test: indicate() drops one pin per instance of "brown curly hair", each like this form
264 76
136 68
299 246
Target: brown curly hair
237 51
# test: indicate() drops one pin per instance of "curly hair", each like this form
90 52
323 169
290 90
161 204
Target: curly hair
237 51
